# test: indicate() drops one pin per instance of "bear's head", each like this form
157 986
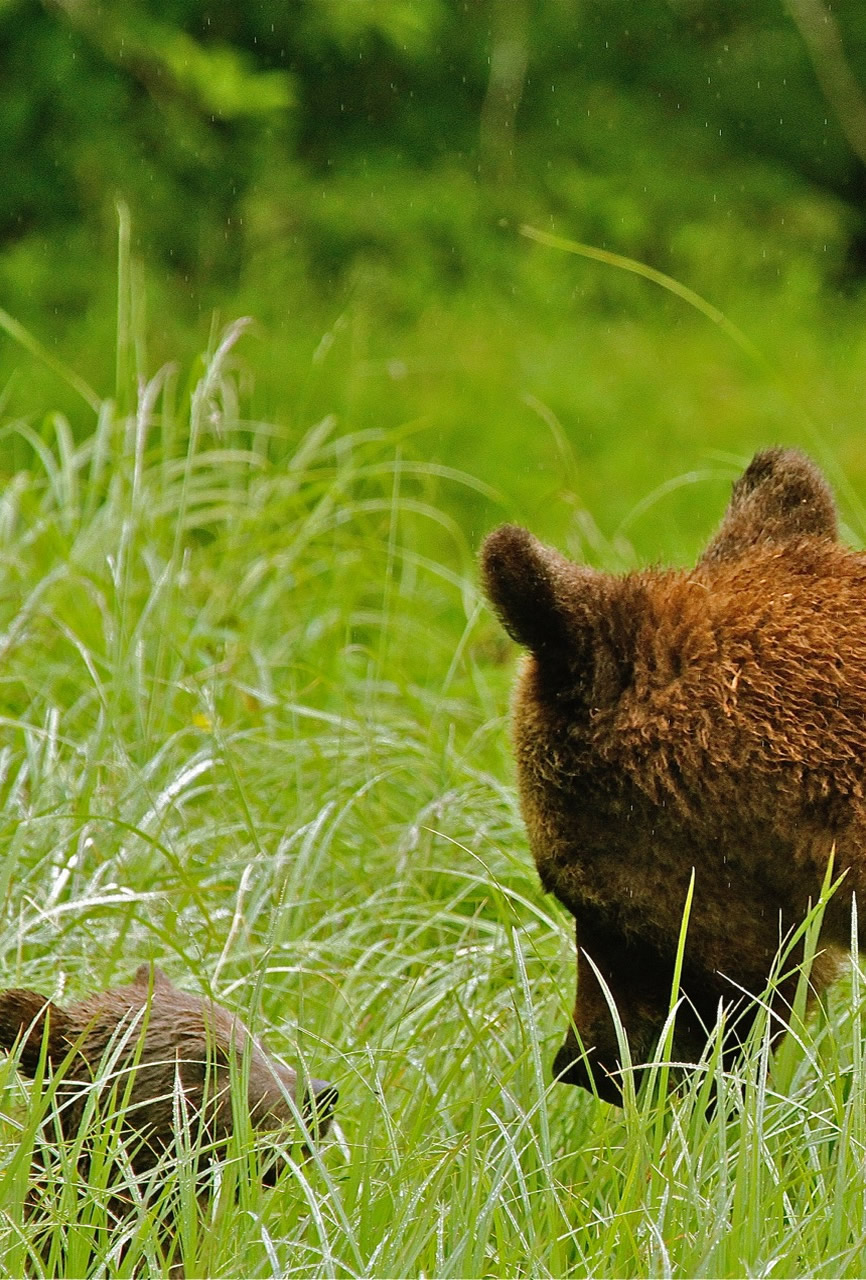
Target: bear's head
668 721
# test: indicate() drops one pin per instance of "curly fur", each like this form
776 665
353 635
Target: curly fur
712 719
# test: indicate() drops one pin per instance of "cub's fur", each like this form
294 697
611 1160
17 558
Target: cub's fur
164 1058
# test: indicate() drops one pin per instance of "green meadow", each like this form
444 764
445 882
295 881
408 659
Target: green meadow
254 722
296 304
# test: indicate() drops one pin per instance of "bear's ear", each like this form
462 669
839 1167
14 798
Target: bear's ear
25 1018
528 586
577 622
780 497
150 975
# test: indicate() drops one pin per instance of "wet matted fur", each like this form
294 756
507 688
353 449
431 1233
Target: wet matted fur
159 1060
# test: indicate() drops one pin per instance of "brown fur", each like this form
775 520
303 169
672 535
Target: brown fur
712 719
161 1036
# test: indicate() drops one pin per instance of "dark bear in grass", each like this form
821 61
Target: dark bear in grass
713 719
143 1041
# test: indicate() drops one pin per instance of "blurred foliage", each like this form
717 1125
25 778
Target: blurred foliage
220 124
297 159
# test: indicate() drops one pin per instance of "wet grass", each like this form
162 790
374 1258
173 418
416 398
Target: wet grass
253 727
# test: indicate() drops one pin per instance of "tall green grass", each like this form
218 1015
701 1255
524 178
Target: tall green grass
253 727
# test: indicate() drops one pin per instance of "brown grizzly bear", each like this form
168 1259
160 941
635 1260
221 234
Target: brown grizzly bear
143 1040
713 719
